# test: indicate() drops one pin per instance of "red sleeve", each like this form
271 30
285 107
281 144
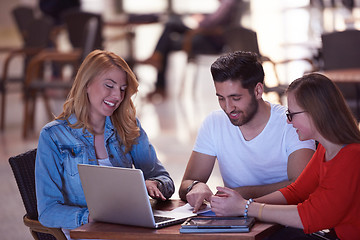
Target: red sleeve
335 202
307 182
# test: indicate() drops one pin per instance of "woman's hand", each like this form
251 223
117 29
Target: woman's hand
153 190
227 203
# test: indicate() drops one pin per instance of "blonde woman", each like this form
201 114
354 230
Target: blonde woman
98 126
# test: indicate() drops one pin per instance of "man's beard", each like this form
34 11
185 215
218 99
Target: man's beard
247 115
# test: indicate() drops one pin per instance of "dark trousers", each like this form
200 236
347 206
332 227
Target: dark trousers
172 39
289 233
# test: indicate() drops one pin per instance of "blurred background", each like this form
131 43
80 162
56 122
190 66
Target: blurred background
286 30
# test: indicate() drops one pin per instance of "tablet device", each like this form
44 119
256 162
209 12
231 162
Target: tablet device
217 224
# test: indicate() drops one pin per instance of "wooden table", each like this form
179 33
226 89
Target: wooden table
351 75
100 230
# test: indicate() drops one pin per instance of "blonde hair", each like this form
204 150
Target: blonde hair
77 102
322 99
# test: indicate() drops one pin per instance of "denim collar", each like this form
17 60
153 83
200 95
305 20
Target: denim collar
80 132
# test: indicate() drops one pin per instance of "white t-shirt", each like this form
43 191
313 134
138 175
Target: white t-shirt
262 160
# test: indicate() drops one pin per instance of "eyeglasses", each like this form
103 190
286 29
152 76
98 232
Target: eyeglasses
290 115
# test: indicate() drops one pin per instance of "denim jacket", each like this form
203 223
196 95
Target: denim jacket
60 197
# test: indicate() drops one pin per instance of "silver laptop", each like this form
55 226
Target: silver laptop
119 195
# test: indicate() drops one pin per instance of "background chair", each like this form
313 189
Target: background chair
23 16
238 38
23 167
35 33
75 22
341 50
35 83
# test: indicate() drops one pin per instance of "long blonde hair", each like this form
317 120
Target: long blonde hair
77 102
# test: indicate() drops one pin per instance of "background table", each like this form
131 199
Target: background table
351 75
99 230
348 80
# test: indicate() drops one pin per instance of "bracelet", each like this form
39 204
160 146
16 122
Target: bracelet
248 202
260 211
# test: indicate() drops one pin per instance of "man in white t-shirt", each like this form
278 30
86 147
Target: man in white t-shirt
258 152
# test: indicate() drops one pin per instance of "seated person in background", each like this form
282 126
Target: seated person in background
257 150
98 126
173 37
55 8
326 194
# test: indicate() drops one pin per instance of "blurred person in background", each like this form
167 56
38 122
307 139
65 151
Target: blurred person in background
174 36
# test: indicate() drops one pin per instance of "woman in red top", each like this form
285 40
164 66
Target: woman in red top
327 193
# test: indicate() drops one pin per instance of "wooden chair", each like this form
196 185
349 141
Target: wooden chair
23 167
35 33
238 38
23 16
35 83
75 22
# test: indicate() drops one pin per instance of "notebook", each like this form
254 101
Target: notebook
119 195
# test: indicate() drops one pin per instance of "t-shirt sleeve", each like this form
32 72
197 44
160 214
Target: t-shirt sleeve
293 142
306 183
290 137
205 143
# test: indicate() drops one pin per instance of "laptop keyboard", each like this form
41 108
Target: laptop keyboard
162 219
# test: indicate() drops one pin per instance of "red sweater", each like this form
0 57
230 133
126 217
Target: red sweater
327 194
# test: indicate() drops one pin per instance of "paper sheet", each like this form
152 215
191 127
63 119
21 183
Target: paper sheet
187 209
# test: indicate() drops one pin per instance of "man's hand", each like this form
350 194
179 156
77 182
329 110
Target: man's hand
153 190
197 195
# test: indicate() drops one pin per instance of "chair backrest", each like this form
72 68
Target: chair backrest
89 40
23 167
23 16
239 38
76 21
341 50
34 31
39 33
